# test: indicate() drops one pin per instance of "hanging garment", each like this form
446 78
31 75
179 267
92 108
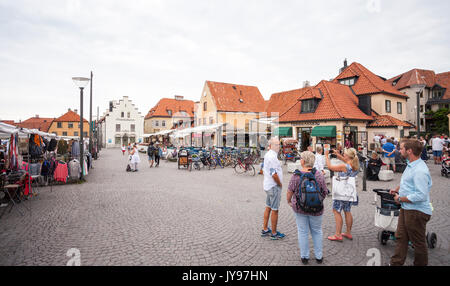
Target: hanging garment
13 152
75 149
85 169
34 169
45 168
52 145
74 169
61 172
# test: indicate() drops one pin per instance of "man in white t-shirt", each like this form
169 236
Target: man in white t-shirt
319 163
377 139
437 144
273 176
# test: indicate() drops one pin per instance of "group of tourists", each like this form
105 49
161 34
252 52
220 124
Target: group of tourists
307 190
154 153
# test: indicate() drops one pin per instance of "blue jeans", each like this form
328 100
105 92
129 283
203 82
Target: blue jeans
306 224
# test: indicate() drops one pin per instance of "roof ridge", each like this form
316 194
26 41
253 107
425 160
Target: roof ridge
367 77
331 98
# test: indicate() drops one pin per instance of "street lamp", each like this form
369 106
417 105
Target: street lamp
420 90
81 82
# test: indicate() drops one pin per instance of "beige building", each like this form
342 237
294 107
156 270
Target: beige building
69 125
230 104
169 112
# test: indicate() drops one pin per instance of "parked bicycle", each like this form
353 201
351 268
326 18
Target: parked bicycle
245 165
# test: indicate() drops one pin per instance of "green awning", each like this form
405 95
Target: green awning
283 131
324 131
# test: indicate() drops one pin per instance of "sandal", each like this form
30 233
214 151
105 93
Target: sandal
335 238
348 236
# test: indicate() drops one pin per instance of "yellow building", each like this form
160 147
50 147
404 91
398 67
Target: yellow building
231 104
69 125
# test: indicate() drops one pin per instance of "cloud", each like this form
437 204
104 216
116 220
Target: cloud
153 49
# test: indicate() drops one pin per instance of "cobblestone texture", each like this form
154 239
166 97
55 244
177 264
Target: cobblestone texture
166 216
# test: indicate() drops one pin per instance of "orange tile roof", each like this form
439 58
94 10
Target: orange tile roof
42 124
10 122
176 106
367 82
388 121
69 116
236 98
443 79
414 76
338 103
282 101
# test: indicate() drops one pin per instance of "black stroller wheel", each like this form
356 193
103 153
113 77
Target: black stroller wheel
431 240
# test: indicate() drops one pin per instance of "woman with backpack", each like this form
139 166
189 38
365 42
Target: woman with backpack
308 183
350 168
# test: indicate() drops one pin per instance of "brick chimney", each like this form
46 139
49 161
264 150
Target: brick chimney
37 116
179 97
76 111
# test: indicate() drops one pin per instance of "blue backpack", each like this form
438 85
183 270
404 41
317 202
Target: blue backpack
309 197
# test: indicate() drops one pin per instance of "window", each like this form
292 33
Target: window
70 125
117 140
163 123
85 134
128 115
156 123
204 106
59 125
75 133
117 127
309 105
388 106
211 120
348 81
204 121
132 128
122 114
399 108
64 133
421 121
169 112
421 108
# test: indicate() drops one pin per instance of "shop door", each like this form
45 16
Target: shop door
304 138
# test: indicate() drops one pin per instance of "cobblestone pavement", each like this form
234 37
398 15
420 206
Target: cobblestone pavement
166 216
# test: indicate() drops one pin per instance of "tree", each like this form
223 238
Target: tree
440 120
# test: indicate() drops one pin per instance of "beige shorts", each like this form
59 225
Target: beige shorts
388 161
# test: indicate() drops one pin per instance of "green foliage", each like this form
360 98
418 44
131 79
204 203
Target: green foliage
440 120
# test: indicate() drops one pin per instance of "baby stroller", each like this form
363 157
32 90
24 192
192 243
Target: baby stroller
386 218
445 171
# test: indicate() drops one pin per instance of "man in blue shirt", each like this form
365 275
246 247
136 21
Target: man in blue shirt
389 154
414 196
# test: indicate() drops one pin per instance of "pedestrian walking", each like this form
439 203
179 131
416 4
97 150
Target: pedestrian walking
135 160
414 196
273 176
319 160
158 154
308 218
123 150
151 154
424 154
350 168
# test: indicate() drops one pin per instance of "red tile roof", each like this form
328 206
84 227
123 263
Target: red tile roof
69 116
176 106
338 103
414 76
282 101
443 79
367 82
42 124
10 122
236 98
388 121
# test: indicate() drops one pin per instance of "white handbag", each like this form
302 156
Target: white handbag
344 189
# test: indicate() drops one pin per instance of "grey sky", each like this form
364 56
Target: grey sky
150 49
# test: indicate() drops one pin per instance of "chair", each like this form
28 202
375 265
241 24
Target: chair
13 192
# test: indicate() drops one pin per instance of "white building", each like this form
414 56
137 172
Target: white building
121 124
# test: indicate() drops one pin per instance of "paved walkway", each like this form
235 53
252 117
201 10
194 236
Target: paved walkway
166 216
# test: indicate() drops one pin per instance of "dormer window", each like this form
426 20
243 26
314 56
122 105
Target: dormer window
309 105
348 81
169 112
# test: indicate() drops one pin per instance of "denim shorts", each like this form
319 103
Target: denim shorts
437 153
273 198
342 205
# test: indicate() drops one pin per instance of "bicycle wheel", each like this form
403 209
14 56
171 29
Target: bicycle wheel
251 170
239 168
213 164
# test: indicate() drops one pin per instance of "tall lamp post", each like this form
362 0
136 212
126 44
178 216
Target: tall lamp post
420 87
81 82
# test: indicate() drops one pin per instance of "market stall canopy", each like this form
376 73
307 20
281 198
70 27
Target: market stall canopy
197 129
283 131
324 131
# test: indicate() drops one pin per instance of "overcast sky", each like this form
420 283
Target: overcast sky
150 49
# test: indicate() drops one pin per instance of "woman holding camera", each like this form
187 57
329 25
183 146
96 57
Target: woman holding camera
350 168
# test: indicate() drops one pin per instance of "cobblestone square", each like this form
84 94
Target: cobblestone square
165 216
